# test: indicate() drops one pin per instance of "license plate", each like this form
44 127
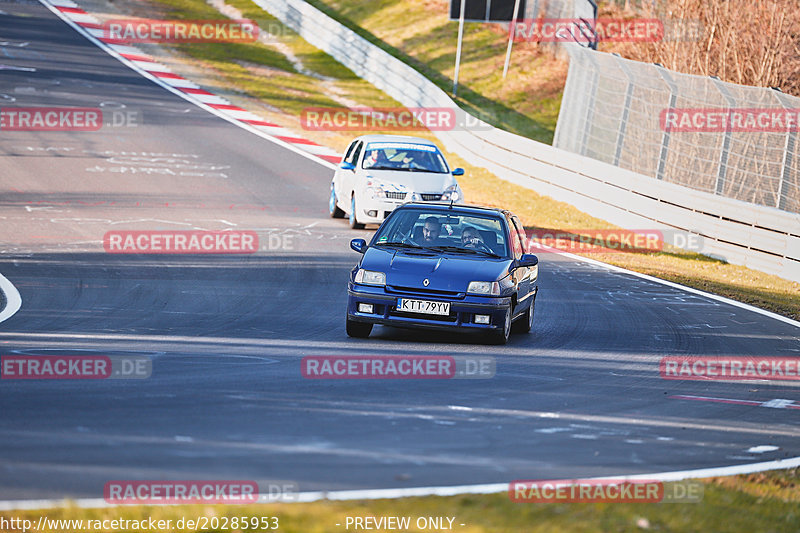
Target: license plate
423 306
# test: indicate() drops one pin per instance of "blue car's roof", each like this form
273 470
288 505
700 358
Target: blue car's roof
445 207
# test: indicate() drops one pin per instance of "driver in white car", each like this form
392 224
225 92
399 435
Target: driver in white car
376 158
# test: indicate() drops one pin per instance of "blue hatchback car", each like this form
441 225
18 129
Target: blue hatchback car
444 266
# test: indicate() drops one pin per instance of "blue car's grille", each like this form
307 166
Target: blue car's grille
423 291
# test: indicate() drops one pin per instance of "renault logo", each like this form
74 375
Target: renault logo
426 282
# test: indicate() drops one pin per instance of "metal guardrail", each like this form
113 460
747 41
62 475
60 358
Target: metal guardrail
759 237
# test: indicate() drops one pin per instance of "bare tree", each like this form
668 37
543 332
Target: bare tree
750 42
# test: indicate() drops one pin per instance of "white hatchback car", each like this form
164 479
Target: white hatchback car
381 172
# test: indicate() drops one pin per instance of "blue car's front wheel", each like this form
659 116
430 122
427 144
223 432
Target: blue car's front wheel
359 330
525 324
500 336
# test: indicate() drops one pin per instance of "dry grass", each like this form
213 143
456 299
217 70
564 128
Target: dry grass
749 42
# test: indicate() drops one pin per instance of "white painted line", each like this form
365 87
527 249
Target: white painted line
20 69
212 99
320 149
80 17
241 114
13 299
125 49
273 130
183 82
489 488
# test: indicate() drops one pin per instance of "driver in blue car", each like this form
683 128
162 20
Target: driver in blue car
470 238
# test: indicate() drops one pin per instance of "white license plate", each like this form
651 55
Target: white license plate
423 306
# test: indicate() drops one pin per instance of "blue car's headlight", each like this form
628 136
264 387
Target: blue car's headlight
486 288
370 277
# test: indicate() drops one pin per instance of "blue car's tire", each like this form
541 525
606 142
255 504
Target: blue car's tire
333 209
353 220
525 323
501 336
360 330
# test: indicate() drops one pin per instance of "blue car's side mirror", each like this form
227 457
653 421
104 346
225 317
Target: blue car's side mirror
360 245
458 171
528 260
347 166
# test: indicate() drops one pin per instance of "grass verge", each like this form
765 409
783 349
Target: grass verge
758 502
419 33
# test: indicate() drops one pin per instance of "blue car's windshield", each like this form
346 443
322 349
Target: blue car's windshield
408 157
454 231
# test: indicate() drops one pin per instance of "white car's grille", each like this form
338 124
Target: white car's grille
431 197
395 195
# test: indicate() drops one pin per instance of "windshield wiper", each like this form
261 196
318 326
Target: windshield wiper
484 252
458 249
399 244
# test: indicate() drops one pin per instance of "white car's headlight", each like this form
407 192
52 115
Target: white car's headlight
484 287
452 193
370 277
376 192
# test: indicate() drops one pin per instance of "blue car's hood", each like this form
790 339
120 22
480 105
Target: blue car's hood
446 272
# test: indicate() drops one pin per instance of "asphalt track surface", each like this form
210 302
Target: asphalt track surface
581 396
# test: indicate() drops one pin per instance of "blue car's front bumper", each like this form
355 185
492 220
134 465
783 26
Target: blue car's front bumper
462 310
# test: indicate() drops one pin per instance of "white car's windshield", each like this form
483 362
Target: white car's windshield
409 157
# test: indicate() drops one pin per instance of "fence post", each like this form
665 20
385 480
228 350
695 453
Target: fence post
673 100
719 187
782 198
623 124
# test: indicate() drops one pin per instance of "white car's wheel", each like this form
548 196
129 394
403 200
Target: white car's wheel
354 224
333 208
